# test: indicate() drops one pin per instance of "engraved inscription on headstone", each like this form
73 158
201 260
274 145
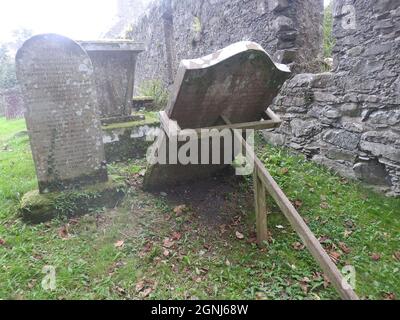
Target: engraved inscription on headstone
62 116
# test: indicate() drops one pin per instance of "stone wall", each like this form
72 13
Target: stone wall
172 30
349 119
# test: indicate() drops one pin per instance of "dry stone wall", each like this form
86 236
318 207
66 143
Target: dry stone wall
173 30
349 119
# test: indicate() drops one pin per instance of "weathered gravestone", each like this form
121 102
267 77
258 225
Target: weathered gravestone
238 82
114 63
62 116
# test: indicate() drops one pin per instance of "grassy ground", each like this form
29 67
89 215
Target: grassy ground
172 246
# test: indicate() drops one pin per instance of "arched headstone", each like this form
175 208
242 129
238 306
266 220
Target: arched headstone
62 114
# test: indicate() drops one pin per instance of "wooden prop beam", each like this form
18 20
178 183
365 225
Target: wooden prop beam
173 130
297 222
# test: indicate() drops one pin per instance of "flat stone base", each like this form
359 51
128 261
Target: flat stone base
37 208
97 176
125 141
121 119
140 103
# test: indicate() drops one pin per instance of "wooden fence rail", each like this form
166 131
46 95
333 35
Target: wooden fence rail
264 183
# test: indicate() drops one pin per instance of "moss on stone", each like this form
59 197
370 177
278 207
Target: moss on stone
151 118
38 208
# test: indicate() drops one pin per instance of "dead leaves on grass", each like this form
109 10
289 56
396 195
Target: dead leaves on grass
2 242
239 235
389 296
179 210
396 255
375 256
119 244
63 232
298 246
145 287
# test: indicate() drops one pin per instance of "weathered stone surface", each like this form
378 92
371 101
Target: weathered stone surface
357 104
344 139
238 82
185 29
114 65
56 77
381 145
371 172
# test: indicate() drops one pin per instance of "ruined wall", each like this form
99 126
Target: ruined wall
172 30
349 119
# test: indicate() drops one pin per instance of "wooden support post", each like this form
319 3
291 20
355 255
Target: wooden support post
298 224
261 209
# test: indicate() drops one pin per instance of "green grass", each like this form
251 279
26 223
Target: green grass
204 263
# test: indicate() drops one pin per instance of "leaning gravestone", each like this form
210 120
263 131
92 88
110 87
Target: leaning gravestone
62 115
238 82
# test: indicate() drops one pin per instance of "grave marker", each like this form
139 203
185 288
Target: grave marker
238 82
114 63
62 114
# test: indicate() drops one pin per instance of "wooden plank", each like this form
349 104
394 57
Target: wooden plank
261 209
297 222
272 116
170 127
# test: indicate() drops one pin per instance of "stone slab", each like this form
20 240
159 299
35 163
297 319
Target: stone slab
238 82
62 114
114 63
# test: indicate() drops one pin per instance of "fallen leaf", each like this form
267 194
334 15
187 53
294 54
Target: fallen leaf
180 209
168 243
228 263
120 290
145 293
347 233
147 247
280 227
63 232
350 224
298 204
344 248
327 282
139 286
73 221
304 284
236 220
2 242
324 205
375 256
222 228
284 170
119 244
335 256
207 246
323 239
176 236
397 255
389 296
298 246
166 253
239 235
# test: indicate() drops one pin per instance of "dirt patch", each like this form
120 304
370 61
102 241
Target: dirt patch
215 200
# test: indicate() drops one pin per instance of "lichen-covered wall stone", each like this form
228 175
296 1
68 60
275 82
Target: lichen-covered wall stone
173 30
349 119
